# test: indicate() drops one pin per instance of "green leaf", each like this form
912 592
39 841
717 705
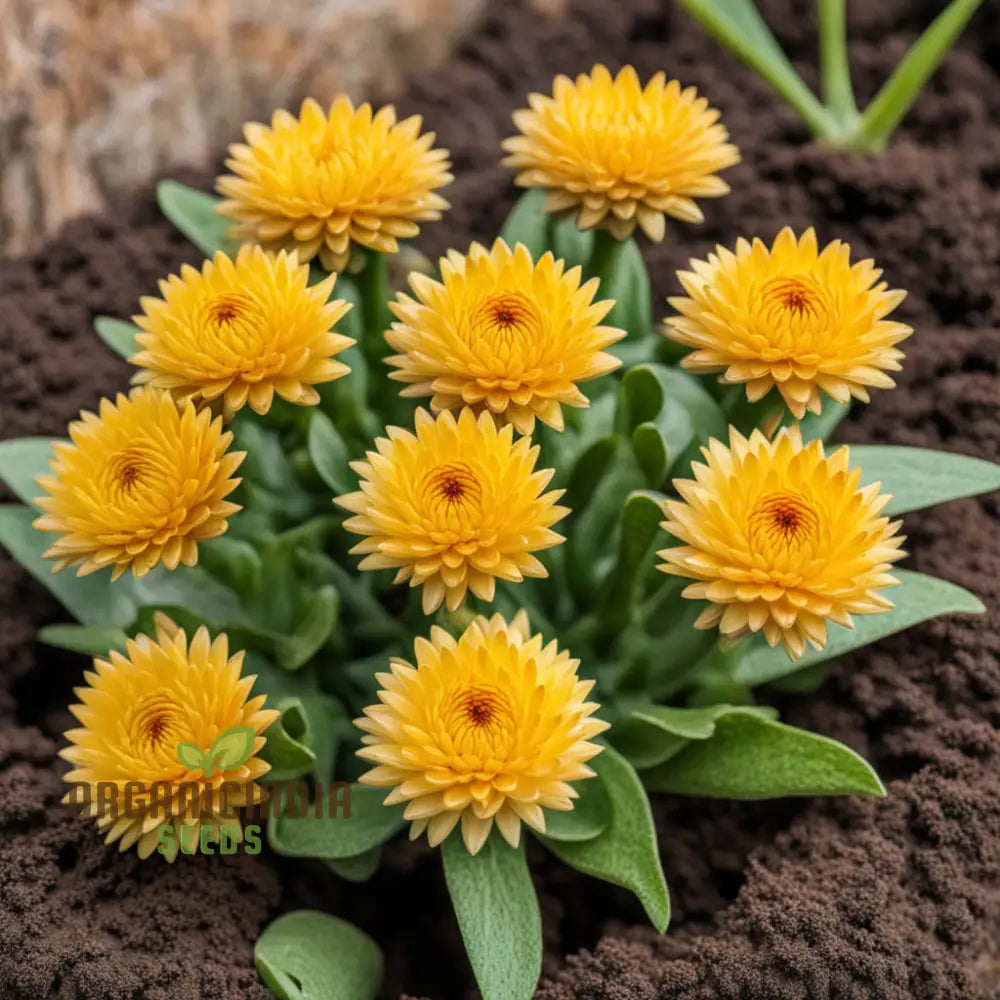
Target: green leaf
919 477
588 471
308 955
640 528
328 722
651 453
737 24
119 335
498 916
626 852
235 563
92 600
192 757
329 454
642 396
651 734
750 757
528 223
289 739
625 279
570 243
589 816
369 824
91 640
917 599
890 105
21 461
360 868
193 213
315 626
231 748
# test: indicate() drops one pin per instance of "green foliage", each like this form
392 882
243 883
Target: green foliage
194 214
308 955
737 24
118 335
918 598
498 916
751 757
625 852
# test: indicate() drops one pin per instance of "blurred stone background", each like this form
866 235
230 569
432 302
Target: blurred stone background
99 96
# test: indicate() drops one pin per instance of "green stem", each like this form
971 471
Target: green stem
604 256
835 69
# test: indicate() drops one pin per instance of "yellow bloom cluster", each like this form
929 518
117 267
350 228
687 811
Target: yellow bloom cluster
489 728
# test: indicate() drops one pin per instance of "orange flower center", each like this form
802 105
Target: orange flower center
156 723
505 320
454 483
228 308
126 470
478 713
783 519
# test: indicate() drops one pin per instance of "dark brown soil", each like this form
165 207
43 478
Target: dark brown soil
848 900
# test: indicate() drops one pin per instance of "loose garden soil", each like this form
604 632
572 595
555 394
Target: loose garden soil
897 899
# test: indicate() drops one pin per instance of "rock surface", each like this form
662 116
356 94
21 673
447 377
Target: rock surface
99 96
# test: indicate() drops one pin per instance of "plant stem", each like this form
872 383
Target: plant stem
835 69
604 256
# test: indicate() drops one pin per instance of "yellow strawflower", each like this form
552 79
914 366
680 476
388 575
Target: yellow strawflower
490 727
616 154
502 333
241 331
134 711
793 317
140 483
780 538
326 180
453 507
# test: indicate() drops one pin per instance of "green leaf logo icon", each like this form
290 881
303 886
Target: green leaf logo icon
231 748
191 756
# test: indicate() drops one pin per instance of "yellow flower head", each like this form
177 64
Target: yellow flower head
242 331
614 153
453 507
492 726
323 181
139 484
780 538
790 317
499 332
135 710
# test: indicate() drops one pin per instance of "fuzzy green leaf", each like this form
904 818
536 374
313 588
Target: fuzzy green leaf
750 757
498 916
91 600
359 868
369 824
917 599
329 454
308 955
193 213
588 471
289 738
91 640
625 279
919 477
317 621
21 461
651 453
119 335
642 396
589 816
528 223
651 734
625 853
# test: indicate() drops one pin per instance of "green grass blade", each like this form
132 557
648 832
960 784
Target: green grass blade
835 68
897 95
737 24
